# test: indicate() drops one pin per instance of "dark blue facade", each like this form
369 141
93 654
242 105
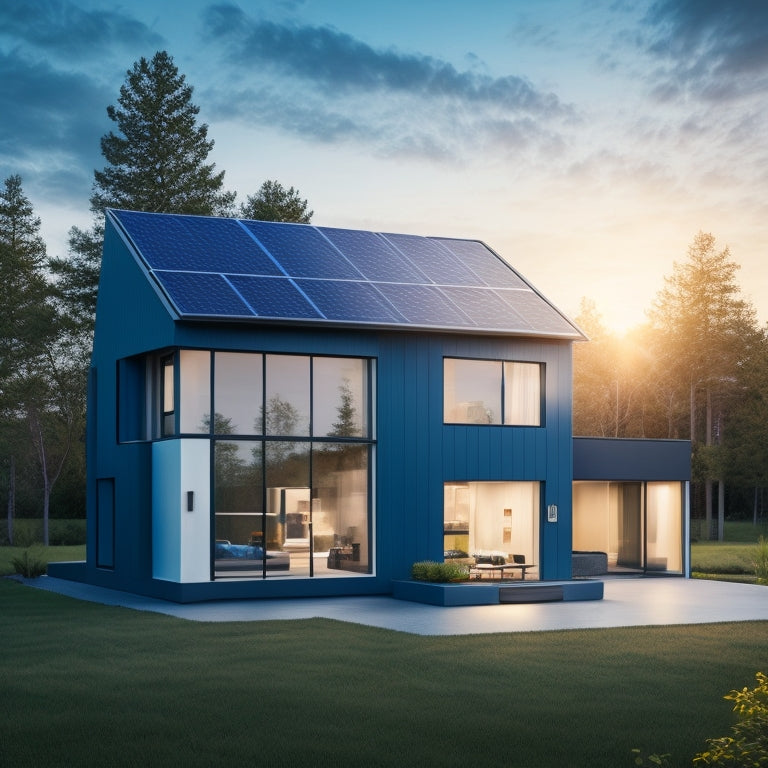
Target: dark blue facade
415 453
600 458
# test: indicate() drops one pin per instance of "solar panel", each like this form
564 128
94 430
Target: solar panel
302 251
541 316
274 297
195 244
484 263
486 308
202 293
350 301
434 260
373 256
228 268
425 305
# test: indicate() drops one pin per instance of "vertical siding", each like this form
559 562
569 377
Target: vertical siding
415 454
418 453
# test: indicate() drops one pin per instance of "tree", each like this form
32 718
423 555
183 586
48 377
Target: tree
54 404
347 423
156 162
41 400
607 392
745 438
25 320
26 325
275 203
705 330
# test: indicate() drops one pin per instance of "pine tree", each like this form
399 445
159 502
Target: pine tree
28 332
156 162
273 202
26 319
705 331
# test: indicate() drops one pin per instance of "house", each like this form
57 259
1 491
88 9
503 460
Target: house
289 410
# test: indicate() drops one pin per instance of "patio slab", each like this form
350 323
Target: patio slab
627 601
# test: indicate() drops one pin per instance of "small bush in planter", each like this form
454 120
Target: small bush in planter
28 565
428 570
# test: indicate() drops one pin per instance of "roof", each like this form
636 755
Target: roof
229 269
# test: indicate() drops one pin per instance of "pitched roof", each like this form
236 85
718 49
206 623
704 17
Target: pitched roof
235 269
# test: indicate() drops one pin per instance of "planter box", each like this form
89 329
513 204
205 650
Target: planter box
470 593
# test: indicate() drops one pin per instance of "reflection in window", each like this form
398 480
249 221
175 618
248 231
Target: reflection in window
340 505
472 391
287 396
195 390
238 391
291 441
239 508
339 397
491 392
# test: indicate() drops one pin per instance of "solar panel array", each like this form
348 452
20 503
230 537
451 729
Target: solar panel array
219 268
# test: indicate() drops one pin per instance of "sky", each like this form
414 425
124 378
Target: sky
585 142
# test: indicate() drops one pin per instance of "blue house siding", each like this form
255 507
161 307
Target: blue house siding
415 453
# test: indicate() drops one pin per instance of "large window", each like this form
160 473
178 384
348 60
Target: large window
492 392
638 525
493 523
291 439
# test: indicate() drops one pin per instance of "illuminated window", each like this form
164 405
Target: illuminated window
492 392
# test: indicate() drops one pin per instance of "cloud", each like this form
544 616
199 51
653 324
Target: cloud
326 85
63 28
714 50
337 61
48 123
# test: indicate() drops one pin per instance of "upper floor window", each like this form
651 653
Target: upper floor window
255 394
492 392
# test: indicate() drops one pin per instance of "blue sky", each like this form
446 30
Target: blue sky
586 142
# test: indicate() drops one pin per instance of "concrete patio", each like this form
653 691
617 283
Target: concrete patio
628 601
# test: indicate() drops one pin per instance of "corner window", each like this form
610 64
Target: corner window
195 390
167 400
492 392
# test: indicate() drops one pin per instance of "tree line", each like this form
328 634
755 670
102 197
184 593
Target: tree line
156 160
696 369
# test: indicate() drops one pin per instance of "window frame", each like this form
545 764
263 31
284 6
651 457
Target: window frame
503 364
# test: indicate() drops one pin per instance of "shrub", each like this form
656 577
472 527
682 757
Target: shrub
28 566
67 533
25 533
428 570
748 747
760 560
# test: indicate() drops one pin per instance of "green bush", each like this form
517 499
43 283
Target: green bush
67 532
748 747
428 570
28 565
760 560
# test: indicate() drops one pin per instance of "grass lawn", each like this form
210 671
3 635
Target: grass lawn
38 551
85 684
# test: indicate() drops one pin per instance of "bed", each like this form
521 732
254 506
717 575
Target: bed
248 557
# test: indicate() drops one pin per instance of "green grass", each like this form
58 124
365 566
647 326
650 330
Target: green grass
38 551
744 530
722 557
730 559
84 684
